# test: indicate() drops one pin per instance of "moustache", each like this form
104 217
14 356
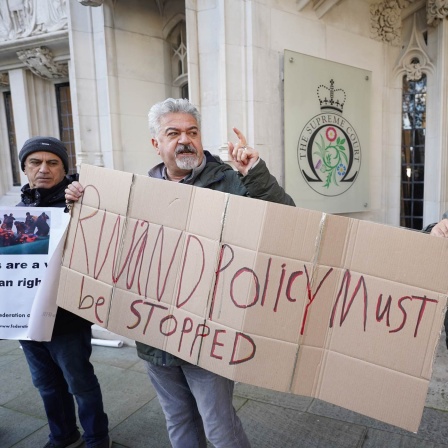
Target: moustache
185 149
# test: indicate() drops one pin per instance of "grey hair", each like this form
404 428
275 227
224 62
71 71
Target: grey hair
170 105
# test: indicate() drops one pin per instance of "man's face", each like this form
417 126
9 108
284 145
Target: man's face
44 169
179 144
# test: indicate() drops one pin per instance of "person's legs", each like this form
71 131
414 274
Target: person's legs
72 353
58 402
213 394
184 424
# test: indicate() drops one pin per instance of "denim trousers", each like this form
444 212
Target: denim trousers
197 405
61 370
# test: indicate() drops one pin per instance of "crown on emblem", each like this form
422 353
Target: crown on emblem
331 98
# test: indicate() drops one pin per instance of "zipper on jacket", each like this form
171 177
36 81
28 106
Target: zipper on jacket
163 358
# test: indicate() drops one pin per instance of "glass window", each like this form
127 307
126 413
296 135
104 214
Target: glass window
184 89
178 40
413 152
65 118
15 168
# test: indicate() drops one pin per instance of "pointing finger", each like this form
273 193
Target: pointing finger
240 136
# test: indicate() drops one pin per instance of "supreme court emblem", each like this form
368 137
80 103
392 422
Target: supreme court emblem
328 149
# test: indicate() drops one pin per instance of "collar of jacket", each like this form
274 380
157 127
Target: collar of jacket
38 197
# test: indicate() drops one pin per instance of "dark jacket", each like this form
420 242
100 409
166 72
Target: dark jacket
217 175
66 322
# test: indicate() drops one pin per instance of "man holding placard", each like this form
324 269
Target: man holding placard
198 403
60 368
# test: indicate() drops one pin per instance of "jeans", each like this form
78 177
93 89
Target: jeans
197 405
61 369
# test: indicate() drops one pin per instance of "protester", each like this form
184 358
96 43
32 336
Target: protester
8 221
30 223
60 368
440 229
197 403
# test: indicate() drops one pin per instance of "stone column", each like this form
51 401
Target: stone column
239 78
438 105
83 85
94 86
211 71
436 165
21 109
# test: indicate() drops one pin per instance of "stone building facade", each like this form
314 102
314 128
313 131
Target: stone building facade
88 71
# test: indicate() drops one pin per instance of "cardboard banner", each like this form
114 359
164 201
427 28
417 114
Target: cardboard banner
280 297
29 237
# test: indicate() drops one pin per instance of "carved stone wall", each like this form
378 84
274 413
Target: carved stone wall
25 18
40 61
91 2
385 20
386 17
415 59
436 10
4 80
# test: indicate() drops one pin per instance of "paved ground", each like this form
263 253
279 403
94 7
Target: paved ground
271 419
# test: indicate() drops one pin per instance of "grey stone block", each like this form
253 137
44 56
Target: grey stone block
15 378
269 426
123 357
379 439
9 346
124 396
146 428
286 400
16 426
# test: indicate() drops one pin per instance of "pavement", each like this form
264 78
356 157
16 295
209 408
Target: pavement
271 419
